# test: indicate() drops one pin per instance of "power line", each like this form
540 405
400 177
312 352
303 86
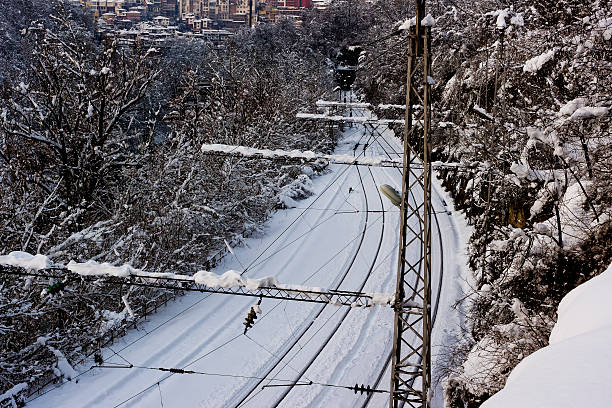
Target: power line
333 256
286 363
386 37
271 353
297 218
183 371
246 399
290 382
340 251
230 340
377 57
173 370
157 327
328 319
197 359
117 354
250 265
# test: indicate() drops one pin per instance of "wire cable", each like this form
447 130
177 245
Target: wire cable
377 57
194 361
362 234
298 217
271 353
208 295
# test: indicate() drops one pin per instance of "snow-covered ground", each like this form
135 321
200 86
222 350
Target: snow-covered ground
574 370
327 241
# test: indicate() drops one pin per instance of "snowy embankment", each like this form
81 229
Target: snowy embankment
574 370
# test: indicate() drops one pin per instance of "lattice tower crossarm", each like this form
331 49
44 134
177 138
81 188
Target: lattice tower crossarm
325 296
411 358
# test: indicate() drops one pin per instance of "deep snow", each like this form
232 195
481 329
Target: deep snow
574 370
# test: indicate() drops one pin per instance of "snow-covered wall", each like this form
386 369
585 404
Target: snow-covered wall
574 370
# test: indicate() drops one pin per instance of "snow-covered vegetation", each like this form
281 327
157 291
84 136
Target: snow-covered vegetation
101 159
522 98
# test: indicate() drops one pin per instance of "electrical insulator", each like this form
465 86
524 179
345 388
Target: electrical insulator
250 320
362 389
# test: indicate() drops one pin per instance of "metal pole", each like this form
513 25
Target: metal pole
411 361
250 13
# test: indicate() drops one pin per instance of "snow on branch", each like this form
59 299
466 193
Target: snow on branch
347 119
428 21
297 154
482 113
589 112
16 389
534 64
406 24
25 260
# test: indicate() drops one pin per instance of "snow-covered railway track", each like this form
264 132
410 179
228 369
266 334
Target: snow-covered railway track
386 366
289 388
324 236
253 389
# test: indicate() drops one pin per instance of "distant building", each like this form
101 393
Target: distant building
217 10
292 3
168 8
100 7
161 21
276 10
133 15
189 8
154 21
320 4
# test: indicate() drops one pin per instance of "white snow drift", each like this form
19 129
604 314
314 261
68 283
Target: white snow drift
574 370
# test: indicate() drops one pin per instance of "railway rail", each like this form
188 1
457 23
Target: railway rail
328 338
245 398
298 379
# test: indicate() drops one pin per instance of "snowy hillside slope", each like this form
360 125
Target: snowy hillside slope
574 370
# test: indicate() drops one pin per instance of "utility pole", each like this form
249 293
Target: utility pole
250 13
411 370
